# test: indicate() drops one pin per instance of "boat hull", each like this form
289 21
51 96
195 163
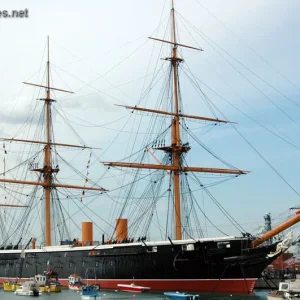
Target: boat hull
227 265
91 297
75 287
270 296
50 289
90 292
208 285
181 296
29 293
10 287
133 288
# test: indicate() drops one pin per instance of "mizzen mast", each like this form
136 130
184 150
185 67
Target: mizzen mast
176 149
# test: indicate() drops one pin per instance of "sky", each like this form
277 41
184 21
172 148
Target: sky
100 50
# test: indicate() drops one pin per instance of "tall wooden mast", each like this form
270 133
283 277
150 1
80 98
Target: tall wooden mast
176 135
176 149
47 170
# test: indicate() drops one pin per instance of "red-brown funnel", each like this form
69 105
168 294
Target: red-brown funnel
33 243
87 233
121 229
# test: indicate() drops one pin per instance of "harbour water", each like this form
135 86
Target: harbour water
110 295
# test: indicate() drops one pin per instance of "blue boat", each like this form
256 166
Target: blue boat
90 292
181 296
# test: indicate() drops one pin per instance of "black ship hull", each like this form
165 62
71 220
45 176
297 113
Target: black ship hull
208 265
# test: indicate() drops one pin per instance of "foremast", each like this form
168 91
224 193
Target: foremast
176 148
48 170
48 184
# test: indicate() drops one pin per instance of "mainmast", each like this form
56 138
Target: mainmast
48 184
176 149
177 152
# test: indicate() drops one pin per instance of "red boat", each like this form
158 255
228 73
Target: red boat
133 288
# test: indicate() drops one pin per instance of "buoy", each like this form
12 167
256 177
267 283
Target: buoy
133 296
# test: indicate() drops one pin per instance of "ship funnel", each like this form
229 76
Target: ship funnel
33 243
121 229
87 233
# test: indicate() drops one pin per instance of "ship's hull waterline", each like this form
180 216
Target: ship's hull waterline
208 265
209 285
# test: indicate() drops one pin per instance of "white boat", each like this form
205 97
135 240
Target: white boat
133 288
181 296
75 282
28 288
287 290
276 295
90 292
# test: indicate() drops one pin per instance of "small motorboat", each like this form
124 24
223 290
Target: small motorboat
276 295
181 296
11 285
287 290
28 288
90 292
133 288
48 283
75 282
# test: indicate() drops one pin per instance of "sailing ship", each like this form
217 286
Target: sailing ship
182 262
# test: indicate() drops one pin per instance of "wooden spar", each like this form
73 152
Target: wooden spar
42 183
175 168
44 143
175 44
12 205
277 230
67 186
174 114
152 154
54 185
48 87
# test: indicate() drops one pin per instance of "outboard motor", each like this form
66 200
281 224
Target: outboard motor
35 292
